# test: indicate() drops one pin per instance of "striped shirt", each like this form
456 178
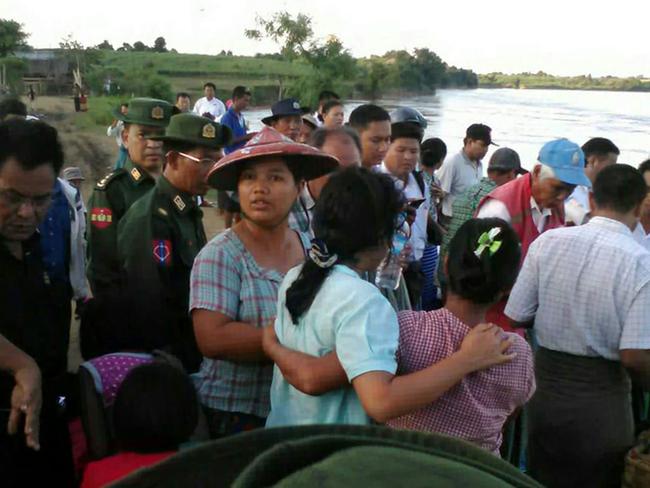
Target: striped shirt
226 279
464 208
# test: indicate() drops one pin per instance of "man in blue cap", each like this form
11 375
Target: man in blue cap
534 203
286 118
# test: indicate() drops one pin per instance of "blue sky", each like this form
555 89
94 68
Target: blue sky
560 37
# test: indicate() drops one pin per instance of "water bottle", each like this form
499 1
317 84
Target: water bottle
389 272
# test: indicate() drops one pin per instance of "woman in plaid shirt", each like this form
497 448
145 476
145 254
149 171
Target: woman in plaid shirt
235 278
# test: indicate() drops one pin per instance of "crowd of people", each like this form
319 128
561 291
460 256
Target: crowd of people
364 276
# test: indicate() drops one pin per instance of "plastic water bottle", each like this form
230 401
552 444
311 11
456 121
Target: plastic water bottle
389 272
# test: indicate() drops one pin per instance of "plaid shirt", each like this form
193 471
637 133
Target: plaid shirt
464 208
477 407
588 288
226 279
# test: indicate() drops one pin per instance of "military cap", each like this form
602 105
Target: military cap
195 130
146 111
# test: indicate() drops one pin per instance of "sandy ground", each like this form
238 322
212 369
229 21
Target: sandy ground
93 152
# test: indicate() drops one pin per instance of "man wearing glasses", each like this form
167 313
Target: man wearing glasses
162 233
30 159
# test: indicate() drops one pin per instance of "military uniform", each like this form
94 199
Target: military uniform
112 197
158 239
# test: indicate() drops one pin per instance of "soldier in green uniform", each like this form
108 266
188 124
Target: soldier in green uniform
117 191
161 234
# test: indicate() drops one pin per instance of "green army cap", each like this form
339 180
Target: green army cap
146 111
195 130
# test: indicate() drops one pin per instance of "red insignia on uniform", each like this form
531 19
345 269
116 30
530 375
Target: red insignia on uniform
101 217
162 251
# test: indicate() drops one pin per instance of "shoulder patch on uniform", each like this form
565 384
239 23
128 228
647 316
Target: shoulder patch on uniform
101 217
162 251
103 183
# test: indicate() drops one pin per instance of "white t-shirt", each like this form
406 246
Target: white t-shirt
456 175
215 107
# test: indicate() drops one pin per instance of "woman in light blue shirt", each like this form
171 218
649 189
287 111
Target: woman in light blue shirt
327 313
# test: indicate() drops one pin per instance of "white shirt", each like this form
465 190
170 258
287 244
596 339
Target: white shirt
494 208
588 288
116 132
215 107
78 282
577 207
641 237
411 190
456 175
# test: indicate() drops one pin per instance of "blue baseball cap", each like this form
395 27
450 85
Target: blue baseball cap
567 160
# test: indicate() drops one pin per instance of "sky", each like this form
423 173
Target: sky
568 37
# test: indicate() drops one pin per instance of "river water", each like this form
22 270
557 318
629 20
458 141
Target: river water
525 119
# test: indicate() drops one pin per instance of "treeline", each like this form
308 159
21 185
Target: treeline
159 46
542 80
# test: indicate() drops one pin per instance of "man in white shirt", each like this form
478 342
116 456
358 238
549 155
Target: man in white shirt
464 169
400 162
209 106
115 130
599 154
587 291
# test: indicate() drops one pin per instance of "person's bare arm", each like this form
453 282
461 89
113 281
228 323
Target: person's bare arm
385 396
637 362
220 337
311 375
26 397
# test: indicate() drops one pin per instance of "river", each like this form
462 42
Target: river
525 119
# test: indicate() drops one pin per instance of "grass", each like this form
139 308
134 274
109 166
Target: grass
98 115
200 64
545 81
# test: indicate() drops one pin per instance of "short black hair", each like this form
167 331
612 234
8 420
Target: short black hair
365 114
124 104
432 152
155 409
326 95
12 106
406 130
319 137
32 143
182 95
330 104
483 279
240 92
599 146
644 166
209 83
620 188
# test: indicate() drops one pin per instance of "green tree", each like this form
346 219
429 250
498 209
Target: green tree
160 45
105 45
292 34
139 46
332 64
12 37
79 56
